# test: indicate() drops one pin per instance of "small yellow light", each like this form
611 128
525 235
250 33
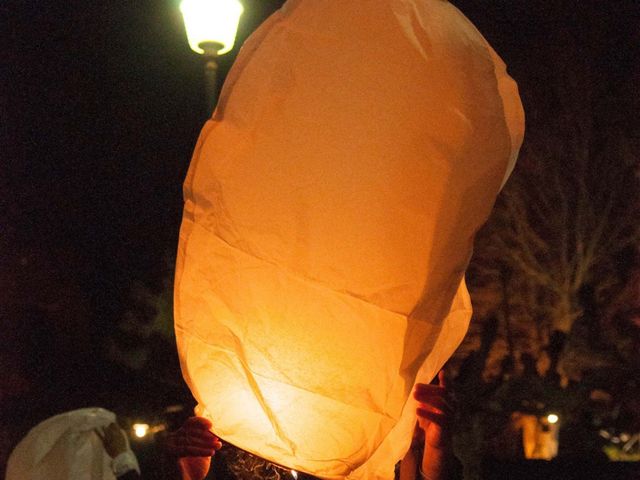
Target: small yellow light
211 21
140 429
552 418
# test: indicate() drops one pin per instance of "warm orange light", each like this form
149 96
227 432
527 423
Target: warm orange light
140 429
330 212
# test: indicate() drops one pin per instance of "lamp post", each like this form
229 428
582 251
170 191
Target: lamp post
211 30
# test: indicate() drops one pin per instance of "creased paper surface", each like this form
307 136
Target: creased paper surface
63 447
330 209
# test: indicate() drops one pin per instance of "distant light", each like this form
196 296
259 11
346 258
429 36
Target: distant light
174 409
624 437
211 22
140 429
552 418
294 474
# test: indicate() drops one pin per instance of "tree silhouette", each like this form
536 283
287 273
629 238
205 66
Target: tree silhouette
559 249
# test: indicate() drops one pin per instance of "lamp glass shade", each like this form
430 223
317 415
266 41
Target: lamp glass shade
211 21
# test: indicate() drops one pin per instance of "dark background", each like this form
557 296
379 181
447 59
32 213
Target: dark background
101 105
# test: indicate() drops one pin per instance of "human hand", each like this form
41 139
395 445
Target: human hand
193 445
113 438
435 413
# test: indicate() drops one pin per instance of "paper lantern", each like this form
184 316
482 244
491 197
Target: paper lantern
330 210
63 447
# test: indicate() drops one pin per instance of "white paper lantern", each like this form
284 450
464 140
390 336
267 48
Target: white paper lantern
64 447
330 210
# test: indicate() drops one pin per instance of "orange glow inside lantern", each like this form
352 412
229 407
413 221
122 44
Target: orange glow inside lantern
330 209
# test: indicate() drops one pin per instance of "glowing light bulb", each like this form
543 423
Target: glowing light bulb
552 418
140 429
211 21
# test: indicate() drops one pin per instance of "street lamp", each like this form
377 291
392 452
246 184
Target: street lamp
211 30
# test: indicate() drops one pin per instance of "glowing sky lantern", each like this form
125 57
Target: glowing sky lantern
330 210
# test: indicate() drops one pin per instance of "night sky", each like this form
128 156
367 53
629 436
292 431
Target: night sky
102 103
106 103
